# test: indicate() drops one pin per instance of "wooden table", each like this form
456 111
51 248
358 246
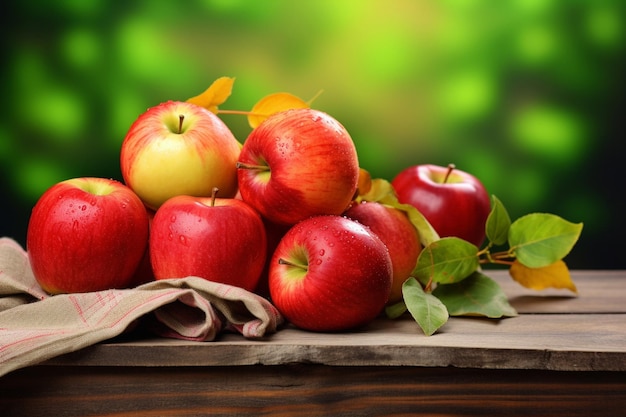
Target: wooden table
562 356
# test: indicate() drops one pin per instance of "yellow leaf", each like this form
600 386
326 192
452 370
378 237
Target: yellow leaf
365 182
555 275
216 94
274 103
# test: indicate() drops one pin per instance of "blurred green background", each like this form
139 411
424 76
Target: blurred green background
525 94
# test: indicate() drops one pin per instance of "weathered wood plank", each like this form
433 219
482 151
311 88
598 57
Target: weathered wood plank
598 292
550 334
553 342
309 390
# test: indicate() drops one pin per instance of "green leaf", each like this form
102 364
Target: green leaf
498 223
446 260
478 295
394 311
540 239
429 313
425 230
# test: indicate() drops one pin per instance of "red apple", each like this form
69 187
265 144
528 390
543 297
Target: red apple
297 164
330 273
454 202
144 273
86 234
179 148
219 239
274 233
397 232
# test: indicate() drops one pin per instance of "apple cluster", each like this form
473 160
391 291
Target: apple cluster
277 216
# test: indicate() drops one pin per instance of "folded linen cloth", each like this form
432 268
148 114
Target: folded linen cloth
35 327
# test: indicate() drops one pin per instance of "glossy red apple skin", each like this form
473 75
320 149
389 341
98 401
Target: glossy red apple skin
224 242
161 158
397 232
86 234
144 273
348 279
459 207
313 166
274 233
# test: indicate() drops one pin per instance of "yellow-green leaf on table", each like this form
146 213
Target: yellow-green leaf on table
382 191
216 94
541 239
446 260
274 103
555 275
427 310
498 223
477 295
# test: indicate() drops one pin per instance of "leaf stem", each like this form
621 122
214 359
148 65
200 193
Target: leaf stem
428 288
498 262
314 97
502 257
242 112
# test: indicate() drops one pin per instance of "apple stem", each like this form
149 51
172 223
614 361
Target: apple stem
451 168
243 165
284 262
214 195
181 119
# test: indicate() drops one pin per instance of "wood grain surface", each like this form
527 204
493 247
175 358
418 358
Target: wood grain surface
310 390
564 355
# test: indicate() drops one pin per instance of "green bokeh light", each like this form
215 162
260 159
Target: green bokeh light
536 44
60 112
35 174
524 93
82 48
549 132
605 26
467 95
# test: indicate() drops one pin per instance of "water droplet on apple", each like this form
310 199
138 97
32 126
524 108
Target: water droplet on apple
170 236
173 219
183 239
318 262
322 252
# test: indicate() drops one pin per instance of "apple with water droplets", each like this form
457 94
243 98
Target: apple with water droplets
397 232
330 273
179 148
219 239
296 164
86 234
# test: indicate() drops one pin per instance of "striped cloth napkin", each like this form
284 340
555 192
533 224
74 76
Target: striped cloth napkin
35 326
